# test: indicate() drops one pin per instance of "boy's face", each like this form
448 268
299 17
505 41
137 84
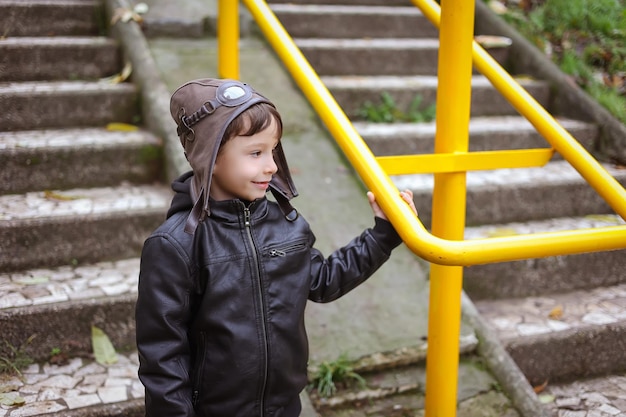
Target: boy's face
245 165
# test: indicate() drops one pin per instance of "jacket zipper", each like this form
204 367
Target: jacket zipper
248 225
200 355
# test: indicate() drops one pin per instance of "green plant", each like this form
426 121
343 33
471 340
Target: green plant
587 39
331 373
17 359
387 111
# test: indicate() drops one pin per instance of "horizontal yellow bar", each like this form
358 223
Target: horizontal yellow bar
462 162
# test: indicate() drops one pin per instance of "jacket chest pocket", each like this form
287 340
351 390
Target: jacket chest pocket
284 250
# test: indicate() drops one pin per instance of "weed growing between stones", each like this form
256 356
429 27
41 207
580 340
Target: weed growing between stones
329 374
17 359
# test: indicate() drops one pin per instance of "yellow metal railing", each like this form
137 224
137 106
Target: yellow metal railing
445 247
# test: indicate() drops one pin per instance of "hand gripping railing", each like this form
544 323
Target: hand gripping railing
445 248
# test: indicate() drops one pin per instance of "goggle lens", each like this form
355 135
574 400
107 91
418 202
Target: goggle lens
233 94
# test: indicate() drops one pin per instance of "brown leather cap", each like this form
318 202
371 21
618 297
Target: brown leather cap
202 109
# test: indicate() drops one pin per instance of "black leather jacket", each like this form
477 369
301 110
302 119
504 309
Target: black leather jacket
220 314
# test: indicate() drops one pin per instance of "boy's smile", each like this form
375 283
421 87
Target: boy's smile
245 165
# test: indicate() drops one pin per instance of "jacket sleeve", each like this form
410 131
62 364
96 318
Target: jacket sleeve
352 264
162 318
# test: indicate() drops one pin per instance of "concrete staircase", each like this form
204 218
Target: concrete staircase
562 319
77 200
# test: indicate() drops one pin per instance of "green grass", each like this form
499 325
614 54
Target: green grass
585 38
388 112
17 359
329 374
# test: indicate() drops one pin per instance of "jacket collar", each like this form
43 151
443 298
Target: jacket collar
233 211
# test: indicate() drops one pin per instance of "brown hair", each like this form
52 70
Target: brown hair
252 121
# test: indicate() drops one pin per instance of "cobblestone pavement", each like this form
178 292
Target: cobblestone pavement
598 397
46 388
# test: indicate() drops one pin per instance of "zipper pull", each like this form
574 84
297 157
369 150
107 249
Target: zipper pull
246 216
276 252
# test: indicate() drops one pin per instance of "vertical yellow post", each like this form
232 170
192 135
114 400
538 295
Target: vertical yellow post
228 39
449 197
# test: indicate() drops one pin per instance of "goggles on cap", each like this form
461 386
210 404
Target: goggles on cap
229 94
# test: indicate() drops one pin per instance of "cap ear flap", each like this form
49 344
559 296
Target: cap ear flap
282 181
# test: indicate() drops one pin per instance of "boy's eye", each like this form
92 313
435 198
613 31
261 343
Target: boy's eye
255 153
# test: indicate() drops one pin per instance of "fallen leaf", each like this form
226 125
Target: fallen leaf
556 313
121 77
11 399
32 280
546 399
52 195
501 231
488 41
125 15
603 218
122 127
540 388
103 349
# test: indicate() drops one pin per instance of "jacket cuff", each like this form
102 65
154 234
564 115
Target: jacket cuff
385 234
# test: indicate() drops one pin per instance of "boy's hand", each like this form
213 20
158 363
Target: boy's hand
407 196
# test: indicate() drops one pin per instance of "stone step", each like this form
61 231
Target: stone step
58 58
353 92
382 56
370 56
88 157
50 18
400 392
354 21
599 396
59 305
485 134
49 228
39 105
563 336
517 195
550 275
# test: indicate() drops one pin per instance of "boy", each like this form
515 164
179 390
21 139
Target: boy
225 279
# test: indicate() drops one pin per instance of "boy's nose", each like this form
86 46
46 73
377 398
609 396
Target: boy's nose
271 166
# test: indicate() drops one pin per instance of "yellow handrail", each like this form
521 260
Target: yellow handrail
416 237
570 149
